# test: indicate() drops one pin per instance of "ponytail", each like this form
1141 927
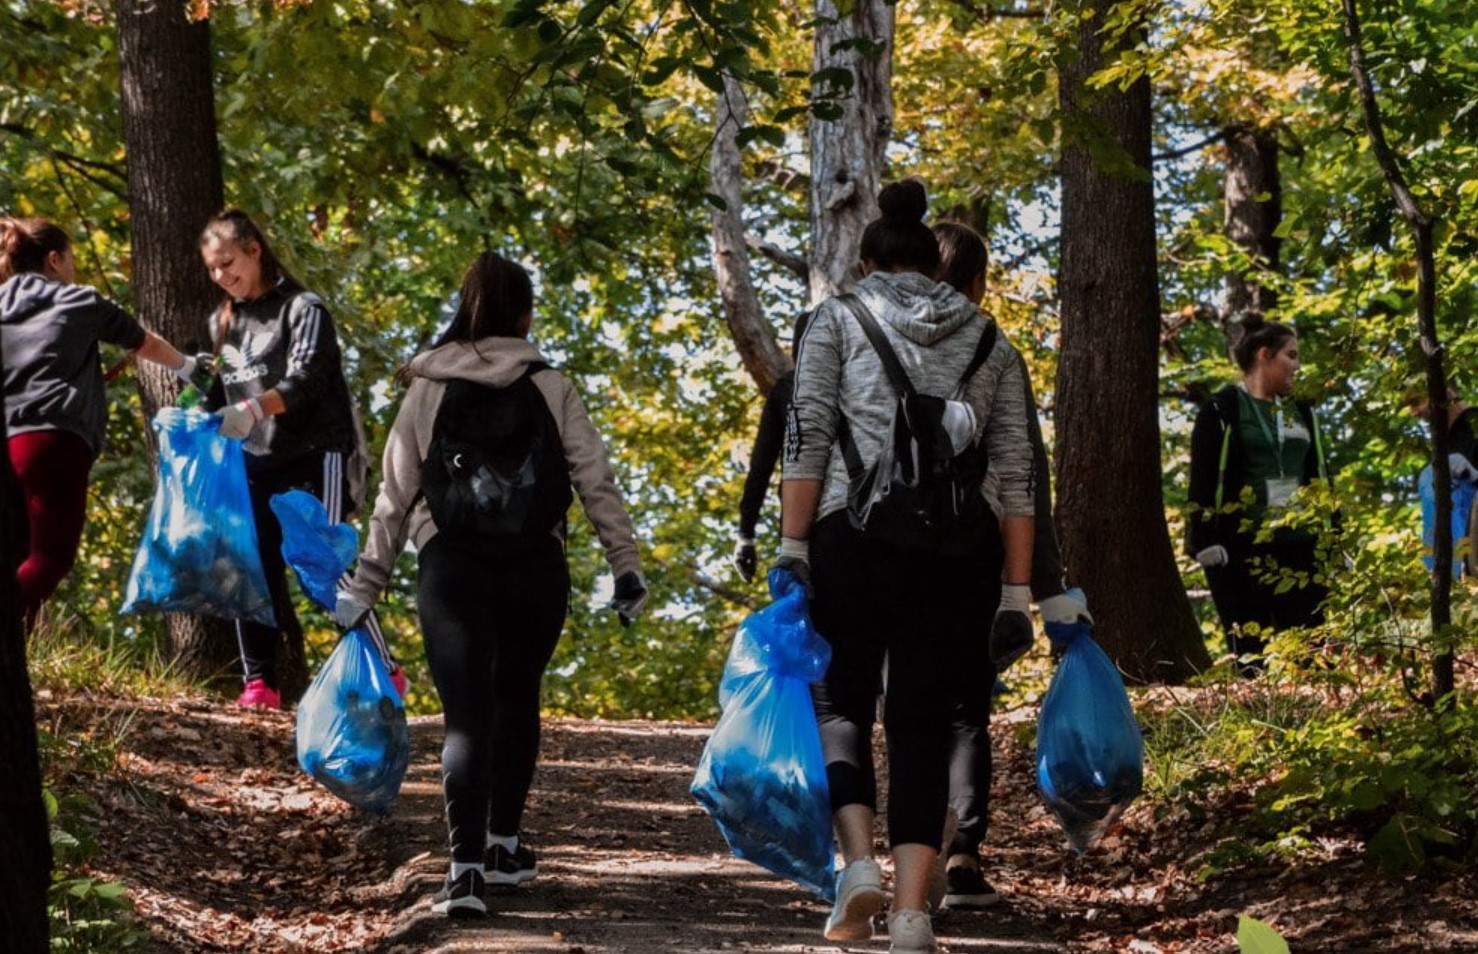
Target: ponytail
25 243
1251 332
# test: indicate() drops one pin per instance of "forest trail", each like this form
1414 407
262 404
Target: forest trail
225 846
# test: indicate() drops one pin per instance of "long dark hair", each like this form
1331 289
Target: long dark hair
962 254
236 227
25 243
1251 332
898 239
496 295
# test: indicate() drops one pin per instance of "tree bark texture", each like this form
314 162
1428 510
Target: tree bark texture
25 839
763 357
174 184
1111 509
1426 316
847 153
1251 220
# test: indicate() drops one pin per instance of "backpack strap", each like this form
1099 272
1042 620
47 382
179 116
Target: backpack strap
891 365
983 348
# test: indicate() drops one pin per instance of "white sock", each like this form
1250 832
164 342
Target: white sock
506 842
459 869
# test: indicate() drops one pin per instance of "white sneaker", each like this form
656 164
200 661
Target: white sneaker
859 897
910 932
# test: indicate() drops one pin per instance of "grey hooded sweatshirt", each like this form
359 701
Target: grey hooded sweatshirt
50 331
401 514
935 331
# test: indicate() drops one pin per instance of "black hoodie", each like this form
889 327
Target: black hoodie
49 331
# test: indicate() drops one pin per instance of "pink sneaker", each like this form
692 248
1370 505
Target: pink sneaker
398 680
259 695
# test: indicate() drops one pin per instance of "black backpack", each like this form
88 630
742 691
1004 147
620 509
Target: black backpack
922 495
495 476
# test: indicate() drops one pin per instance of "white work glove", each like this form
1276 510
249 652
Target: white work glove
1011 630
1461 467
1214 556
238 419
1068 607
348 611
629 597
794 565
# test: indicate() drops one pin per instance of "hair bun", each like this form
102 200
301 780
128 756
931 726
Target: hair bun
903 202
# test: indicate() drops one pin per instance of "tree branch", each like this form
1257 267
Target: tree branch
1212 139
82 166
790 261
788 179
984 12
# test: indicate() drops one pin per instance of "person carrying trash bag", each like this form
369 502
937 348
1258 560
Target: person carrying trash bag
762 776
281 391
55 398
1090 752
1462 465
1248 437
904 396
962 265
477 473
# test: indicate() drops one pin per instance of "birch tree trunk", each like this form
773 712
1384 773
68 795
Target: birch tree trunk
762 356
847 153
174 184
1110 507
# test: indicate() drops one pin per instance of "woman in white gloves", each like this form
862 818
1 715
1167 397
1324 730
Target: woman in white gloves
478 471
1252 437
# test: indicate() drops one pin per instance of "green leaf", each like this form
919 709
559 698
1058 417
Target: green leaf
1255 937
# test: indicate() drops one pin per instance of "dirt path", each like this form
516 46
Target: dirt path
225 846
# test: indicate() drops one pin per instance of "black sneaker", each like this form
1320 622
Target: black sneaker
461 897
967 890
511 867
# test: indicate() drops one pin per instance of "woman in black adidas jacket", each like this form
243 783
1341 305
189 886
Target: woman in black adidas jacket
281 390
1251 439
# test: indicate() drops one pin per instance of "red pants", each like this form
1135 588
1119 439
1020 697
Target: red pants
51 470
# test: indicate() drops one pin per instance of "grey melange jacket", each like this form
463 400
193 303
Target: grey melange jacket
935 331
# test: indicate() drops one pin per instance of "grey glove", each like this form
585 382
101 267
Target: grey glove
1214 556
1461 467
629 597
197 371
794 564
1011 631
348 611
1068 607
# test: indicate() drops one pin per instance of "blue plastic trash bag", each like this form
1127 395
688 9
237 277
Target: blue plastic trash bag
762 776
199 553
1463 494
1090 753
352 733
318 551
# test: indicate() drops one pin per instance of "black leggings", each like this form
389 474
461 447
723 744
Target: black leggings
1242 597
322 475
924 613
490 625
970 758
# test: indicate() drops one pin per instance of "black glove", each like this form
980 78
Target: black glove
203 377
745 560
1011 630
629 597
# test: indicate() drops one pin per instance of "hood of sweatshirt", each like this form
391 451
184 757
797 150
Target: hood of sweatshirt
921 309
28 293
496 362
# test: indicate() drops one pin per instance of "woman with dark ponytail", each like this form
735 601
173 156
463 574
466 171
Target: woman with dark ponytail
281 390
915 598
55 400
1250 437
478 471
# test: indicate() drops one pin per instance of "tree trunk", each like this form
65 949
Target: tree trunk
174 184
1426 315
25 840
1110 508
847 153
762 356
1251 221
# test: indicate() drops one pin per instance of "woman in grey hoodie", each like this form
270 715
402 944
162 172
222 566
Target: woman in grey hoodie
478 468
874 598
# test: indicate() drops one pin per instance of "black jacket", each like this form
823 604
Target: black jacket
1219 470
284 340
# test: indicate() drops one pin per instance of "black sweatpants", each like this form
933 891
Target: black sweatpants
1242 597
970 758
923 612
322 475
491 625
